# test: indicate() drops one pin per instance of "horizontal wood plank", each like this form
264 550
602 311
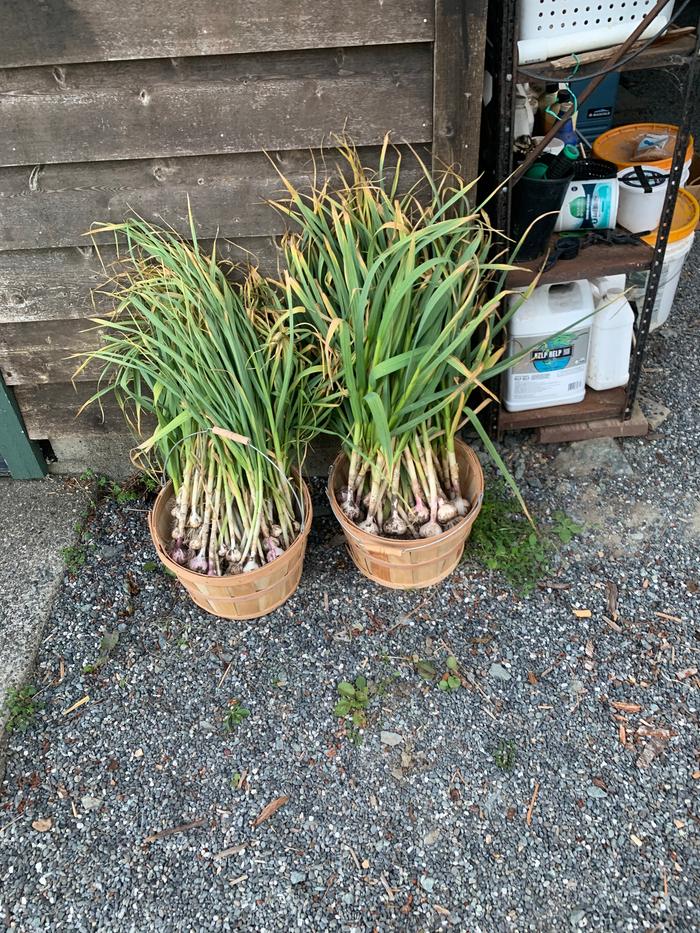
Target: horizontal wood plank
60 31
32 354
609 403
199 106
636 426
596 260
53 205
46 285
52 411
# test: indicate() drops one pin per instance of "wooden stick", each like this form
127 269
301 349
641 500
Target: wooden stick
174 829
599 55
533 801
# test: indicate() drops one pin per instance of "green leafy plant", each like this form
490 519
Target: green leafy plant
409 298
236 382
21 708
564 528
148 483
505 755
235 715
426 670
121 494
504 541
74 557
108 643
107 488
450 680
354 700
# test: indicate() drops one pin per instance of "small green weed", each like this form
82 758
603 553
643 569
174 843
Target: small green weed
148 483
505 755
352 705
108 489
235 780
108 643
121 495
354 700
21 708
503 540
564 528
448 680
73 557
235 715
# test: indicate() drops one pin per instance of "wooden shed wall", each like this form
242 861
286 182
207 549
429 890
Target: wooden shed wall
108 106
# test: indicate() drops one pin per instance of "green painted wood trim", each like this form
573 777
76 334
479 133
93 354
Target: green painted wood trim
21 454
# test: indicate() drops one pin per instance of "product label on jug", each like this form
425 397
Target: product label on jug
590 204
553 370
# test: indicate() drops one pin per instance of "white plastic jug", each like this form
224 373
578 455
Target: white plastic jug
553 371
611 341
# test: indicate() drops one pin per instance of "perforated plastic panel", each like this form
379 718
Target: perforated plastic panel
577 25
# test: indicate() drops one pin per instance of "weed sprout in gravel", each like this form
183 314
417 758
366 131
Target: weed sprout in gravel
235 382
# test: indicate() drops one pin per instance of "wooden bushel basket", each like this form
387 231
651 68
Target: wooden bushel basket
246 595
411 564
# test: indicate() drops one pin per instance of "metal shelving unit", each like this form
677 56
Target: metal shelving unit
679 53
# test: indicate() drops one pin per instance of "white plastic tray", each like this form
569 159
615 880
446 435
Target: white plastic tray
551 28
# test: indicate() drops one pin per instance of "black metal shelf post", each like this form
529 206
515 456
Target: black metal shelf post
643 321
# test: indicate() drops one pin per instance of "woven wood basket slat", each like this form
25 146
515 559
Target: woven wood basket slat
246 595
412 564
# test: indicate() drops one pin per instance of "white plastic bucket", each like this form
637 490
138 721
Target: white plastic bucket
674 261
642 194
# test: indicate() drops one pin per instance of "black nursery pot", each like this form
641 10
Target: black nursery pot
533 197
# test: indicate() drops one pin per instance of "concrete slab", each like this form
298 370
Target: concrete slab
37 520
583 459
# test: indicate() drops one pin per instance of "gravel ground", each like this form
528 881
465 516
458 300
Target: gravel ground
417 828
596 826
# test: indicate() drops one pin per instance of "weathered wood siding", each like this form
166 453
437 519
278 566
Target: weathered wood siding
109 107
